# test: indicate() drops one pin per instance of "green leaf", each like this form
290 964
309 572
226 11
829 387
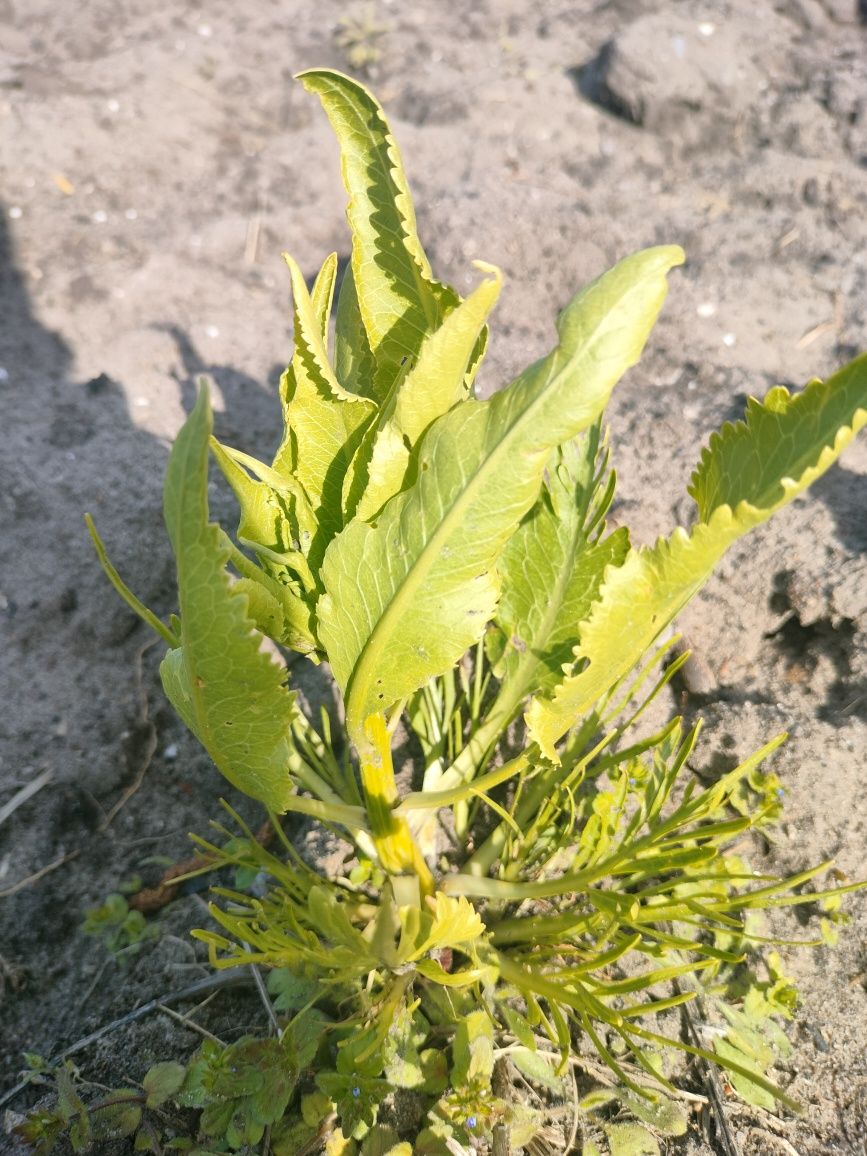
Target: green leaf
396 296
306 1031
113 1121
783 444
435 1069
403 1069
332 923
356 1098
455 923
263 608
753 1093
383 1141
630 1140
137 606
537 1068
473 1050
291 1135
435 1141
229 693
162 1081
275 513
431 388
598 1098
464 977
353 359
551 577
324 423
519 1027
747 473
664 1115
315 1107
407 596
290 992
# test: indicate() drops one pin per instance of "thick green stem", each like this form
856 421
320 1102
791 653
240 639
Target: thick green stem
433 800
397 851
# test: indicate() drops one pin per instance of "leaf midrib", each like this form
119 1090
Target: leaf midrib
420 569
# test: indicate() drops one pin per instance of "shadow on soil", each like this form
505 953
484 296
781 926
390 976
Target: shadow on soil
80 680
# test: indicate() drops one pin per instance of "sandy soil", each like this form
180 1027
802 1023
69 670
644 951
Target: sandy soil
157 157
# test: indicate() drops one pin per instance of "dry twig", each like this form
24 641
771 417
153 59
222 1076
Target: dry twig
211 983
37 875
26 792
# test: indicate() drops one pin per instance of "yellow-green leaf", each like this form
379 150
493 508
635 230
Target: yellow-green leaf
551 573
455 923
746 474
324 422
397 298
430 388
407 595
230 694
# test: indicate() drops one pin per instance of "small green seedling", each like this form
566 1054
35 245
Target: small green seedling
549 881
122 930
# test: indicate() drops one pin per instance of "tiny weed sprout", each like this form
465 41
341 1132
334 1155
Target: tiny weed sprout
550 881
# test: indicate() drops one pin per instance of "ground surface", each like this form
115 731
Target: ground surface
157 158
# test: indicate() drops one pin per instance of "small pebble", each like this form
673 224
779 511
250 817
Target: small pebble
113 105
142 402
100 217
171 752
131 214
706 309
706 28
15 212
729 339
4 375
212 331
205 31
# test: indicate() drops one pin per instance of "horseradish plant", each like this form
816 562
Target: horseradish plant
545 873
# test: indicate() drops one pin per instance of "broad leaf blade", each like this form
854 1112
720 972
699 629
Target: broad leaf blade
275 514
432 386
785 444
551 576
406 596
354 363
230 694
397 298
275 518
324 423
449 355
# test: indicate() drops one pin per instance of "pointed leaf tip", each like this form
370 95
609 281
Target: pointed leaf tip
749 470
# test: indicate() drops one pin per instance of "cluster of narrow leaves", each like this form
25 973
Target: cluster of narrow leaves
448 556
